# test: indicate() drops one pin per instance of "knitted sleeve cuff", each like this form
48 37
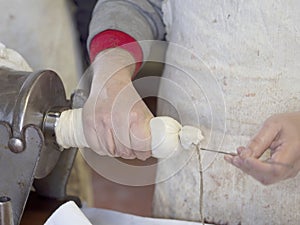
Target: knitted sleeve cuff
114 38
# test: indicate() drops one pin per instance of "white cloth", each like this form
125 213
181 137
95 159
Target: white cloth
109 217
70 214
13 60
249 54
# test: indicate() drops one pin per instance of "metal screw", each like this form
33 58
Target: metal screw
16 145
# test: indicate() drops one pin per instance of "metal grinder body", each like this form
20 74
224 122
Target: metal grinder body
30 105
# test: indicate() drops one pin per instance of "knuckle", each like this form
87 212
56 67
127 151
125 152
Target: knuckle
128 156
143 155
111 151
126 153
134 116
106 119
134 112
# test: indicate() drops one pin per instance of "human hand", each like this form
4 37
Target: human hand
281 134
115 118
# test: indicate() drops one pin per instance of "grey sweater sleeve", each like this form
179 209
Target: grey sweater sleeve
141 19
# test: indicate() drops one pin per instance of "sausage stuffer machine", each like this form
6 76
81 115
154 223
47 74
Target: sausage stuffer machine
30 106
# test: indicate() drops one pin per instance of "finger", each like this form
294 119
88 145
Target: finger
238 162
265 172
240 149
123 151
143 155
141 144
286 155
140 137
122 143
276 144
107 142
229 158
261 141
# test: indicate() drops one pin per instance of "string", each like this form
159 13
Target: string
201 185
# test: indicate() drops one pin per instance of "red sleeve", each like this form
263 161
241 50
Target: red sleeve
114 38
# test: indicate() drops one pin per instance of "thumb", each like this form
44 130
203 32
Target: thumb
262 140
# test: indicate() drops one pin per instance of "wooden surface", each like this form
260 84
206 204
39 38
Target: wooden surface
38 209
107 195
128 199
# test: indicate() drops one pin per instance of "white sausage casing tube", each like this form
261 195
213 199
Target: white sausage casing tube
168 136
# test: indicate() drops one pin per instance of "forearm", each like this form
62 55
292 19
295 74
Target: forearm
123 24
112 65
115 31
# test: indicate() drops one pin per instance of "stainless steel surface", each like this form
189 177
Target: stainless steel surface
17 170
54 185
30 106
49 124
6 216
16 145
26 99
78 98
11 83
40 92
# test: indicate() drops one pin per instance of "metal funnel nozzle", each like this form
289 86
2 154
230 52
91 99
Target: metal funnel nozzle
6 216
